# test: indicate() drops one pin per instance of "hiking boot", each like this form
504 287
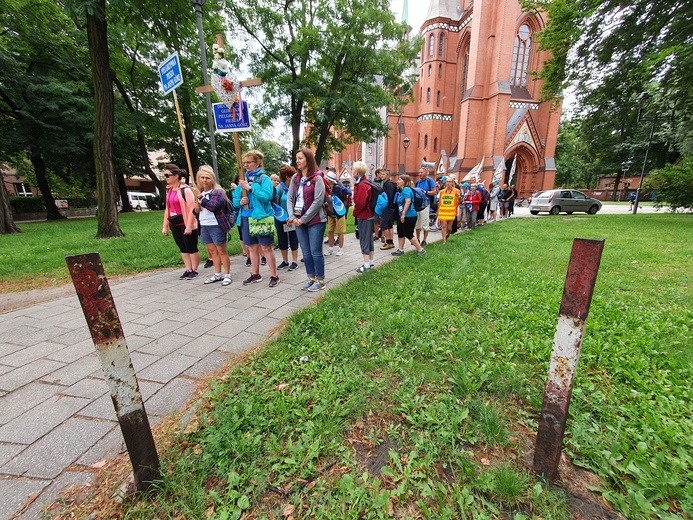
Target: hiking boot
274 281
308 284
263 261
387 246
421 251
283 265
226 281
253 278
208 263
316 286
217 277
399 252
293 266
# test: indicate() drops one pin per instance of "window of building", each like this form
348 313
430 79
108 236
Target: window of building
435 144
520 61
431 45
426 142
420 93
428 95
441 44
465 66
21 189
440 71
430 70
438 99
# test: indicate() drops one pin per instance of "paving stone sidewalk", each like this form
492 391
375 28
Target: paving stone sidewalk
56 415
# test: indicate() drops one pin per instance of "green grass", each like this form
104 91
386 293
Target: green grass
425 379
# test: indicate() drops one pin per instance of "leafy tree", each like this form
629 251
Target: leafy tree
573 162
329 64
7 224
674 185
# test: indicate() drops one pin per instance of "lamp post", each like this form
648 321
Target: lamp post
643 98
625 166
405 143
210 117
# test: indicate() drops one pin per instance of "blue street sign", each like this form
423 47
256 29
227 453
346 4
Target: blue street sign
170 73
231 121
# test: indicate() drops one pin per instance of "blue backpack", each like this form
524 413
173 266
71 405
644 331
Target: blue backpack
420 199
382 204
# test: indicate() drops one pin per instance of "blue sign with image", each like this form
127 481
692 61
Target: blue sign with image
170 73
231 120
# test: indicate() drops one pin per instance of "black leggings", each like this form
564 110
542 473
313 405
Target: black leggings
186 243
286 238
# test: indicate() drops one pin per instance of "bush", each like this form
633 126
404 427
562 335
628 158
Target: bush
156 202
27 204
674 185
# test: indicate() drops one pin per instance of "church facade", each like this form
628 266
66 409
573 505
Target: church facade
475 101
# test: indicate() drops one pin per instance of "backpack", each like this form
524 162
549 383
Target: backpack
420 199
229 211
382 204
344 195
485 195
376 190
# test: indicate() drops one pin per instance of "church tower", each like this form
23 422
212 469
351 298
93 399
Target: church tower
476 98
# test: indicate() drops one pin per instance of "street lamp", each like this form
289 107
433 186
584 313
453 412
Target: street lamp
405 143
625 166
210 117
643 98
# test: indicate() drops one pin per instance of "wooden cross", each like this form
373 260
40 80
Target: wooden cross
254 82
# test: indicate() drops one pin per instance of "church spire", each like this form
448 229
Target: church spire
405 12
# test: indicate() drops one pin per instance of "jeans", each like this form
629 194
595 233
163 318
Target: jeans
311 238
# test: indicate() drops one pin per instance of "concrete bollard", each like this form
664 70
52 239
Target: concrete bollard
567 344
107 333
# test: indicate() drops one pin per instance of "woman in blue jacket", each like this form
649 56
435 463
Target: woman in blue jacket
254 196
407 216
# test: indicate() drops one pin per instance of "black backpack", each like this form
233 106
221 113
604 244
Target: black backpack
376 190
420 199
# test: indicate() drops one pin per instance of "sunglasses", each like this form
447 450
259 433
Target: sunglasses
167 175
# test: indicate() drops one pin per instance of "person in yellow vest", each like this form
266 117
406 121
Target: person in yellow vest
448 200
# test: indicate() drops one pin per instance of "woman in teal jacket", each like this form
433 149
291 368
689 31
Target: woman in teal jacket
254 196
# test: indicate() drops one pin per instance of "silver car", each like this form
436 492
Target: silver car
566 201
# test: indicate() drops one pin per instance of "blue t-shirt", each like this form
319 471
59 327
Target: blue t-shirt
406 193
427 185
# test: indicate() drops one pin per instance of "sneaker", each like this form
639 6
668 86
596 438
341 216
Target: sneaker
423 243
364 268
253 278
328 251
274 281
399 252
339 252
308 284
283 265
293 266
421 251
316 286
208 263
226 281
326 242
276 248
193 274
248 263
217 277
184 276
387 246
263 261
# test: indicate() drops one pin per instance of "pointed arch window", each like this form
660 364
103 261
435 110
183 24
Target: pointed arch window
440 71
430 70
435 144
428 96
520 62
465 66
438 99
441 44
426 142
431 45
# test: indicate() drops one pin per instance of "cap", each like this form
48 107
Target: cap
444 178
465 185
331 177
495 181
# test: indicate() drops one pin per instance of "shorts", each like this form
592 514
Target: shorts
250 240
422 220
212 235
386 218
187 244
406 229
336 225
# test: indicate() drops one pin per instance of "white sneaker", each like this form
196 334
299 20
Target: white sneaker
308 283
328 252
339 252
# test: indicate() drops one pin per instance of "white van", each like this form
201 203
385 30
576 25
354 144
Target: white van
138 200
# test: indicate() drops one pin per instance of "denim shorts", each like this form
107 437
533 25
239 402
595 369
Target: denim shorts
212 235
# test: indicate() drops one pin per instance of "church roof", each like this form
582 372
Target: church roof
444 9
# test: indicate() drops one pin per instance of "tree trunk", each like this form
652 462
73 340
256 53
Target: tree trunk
7 224
123 194
52 212
97 36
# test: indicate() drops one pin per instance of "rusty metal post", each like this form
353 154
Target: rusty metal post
107 333
567 343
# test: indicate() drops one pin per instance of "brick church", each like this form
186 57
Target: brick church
475 99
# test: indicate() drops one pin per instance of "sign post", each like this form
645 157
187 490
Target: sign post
171 77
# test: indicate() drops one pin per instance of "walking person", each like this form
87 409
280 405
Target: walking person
335 225
448 201
254 196
210 206
365 217
423 221
407 217
473 202
287 239
305 203
180 219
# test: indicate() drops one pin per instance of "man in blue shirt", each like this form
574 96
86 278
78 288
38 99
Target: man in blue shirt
422 218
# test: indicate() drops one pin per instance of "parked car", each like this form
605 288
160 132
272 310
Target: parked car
138 200
565 201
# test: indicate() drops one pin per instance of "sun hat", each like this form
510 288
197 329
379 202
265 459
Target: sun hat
331 177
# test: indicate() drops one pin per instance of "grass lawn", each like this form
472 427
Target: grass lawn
413 391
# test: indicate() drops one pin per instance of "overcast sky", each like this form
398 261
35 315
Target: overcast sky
417 11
